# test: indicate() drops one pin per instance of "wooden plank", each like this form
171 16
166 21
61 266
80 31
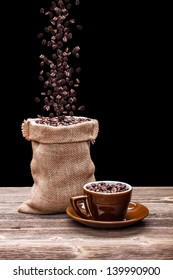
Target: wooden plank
15 191
95 250
145 191
143 233
62 221
161 209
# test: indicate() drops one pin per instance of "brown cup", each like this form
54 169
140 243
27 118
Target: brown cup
102 206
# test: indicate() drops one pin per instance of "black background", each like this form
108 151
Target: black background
125 84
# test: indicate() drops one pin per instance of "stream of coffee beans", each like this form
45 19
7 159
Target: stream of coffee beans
59 72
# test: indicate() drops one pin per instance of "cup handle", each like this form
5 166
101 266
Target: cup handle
74 203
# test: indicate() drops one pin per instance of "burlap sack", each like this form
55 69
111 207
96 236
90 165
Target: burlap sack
61 164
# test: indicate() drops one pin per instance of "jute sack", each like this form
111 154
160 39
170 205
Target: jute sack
61 164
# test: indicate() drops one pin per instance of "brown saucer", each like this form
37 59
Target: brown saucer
136 212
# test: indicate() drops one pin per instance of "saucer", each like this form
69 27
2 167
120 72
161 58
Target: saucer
135 213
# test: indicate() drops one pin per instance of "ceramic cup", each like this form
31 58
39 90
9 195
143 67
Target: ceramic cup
103 206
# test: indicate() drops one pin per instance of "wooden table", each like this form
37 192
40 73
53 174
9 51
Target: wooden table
43 237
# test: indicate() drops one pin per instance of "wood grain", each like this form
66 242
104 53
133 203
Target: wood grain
26 236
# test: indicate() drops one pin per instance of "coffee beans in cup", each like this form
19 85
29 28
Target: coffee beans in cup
103 187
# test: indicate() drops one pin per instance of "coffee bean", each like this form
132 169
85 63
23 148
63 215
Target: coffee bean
78 70
42 10
80 27
40 35
68 7
81 108
37 99
49 14
77 2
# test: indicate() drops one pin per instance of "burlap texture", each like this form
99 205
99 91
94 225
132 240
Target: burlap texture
61 164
